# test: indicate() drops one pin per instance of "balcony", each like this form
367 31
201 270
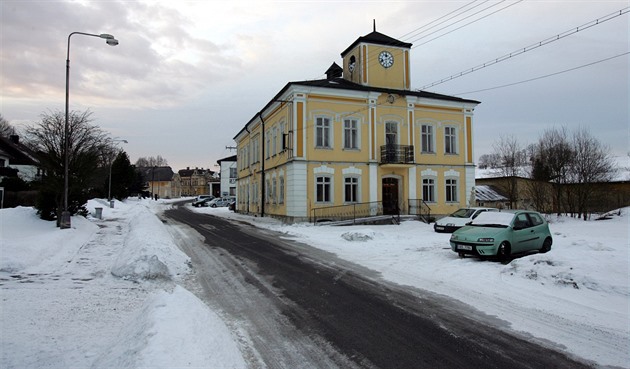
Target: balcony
397 154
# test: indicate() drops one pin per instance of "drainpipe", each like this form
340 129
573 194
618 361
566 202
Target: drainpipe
262 186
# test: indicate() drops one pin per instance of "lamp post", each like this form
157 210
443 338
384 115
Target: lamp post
109 191
65 215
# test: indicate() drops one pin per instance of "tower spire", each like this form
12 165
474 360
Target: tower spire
374 20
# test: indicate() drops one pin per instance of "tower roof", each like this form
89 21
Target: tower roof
377 38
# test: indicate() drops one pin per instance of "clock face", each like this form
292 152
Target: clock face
386 59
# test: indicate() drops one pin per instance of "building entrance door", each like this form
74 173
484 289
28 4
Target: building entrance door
390 196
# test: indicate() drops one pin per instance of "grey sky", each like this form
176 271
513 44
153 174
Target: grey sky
187 75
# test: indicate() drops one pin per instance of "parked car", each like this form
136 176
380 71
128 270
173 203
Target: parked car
202 200
220 201
502 234
459 219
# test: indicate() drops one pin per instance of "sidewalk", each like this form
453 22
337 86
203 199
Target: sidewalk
62 306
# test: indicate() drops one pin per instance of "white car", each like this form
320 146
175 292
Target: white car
459 219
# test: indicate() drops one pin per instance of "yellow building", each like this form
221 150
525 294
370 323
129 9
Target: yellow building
359 139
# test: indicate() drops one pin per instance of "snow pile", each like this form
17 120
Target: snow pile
31 245
359 235
149 341
154 255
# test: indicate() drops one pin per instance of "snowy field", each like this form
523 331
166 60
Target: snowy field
108 293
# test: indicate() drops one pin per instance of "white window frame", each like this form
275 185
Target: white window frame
281 191
355 183
430 138
451 187
348 134
326 182
395 124
323 128
450 140
429 184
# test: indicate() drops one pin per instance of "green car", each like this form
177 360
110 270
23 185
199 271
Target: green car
503 233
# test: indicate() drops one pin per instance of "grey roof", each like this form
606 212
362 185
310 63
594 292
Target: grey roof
377 38
156 173
488 193
343 84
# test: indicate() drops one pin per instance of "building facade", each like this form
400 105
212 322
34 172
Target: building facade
360 136
228 175
196 181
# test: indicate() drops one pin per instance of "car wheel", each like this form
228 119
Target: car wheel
214 205
546 245
503 253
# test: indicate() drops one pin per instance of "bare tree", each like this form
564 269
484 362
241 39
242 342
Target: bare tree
591 163
151 161
87 146
6 129
552 162
511 163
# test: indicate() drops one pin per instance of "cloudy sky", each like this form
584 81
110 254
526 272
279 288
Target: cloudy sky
187 75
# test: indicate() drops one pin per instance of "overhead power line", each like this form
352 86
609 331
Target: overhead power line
464 25
545 76
531 47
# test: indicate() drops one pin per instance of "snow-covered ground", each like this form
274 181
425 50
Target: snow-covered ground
108 293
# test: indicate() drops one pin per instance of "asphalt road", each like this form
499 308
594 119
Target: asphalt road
294 306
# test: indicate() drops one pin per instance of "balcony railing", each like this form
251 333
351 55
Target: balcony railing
397 154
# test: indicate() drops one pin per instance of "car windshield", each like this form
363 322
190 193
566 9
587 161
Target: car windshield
463 213
493 219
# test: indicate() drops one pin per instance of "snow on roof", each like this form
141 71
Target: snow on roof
488 193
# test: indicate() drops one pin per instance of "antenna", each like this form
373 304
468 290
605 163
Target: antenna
374 20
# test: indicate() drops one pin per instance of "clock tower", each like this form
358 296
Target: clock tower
378 60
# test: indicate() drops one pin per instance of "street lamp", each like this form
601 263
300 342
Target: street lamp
65 215
109 191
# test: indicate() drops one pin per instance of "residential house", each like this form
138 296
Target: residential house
360 138
197 181
161 181
228 175
16 158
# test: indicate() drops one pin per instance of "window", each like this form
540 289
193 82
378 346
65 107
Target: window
268 143
428 190
450 140
232 172
351 189
273 191
451 190
323 189
535 219
322 132
350 134
267 191
427 138
274 140
281 192
391 133
256 149
282 143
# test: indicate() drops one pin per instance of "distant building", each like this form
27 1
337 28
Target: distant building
197 181
228 175
161 181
